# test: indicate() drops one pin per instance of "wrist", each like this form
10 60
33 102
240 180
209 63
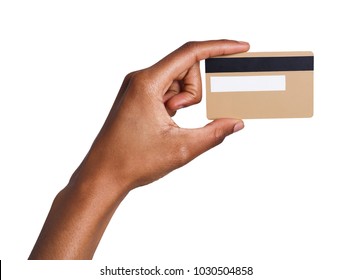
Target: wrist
94 195
95 183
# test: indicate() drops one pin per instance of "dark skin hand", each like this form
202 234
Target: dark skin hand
138 144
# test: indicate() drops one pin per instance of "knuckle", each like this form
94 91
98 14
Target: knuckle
129 75
192 99
180 154
218 135
193 94
191 46
136 76
196 98
139 79
183 155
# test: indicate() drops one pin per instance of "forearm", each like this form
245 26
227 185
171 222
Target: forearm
76 222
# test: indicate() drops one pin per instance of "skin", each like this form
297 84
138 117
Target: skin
138 144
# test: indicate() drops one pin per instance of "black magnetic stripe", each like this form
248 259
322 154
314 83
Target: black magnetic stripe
259 64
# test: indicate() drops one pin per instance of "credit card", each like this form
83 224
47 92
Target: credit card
257 85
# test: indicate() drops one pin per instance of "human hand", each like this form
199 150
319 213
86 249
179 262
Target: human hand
139 142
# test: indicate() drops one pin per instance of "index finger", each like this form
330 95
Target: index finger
171 66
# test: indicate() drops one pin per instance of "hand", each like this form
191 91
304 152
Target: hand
139 142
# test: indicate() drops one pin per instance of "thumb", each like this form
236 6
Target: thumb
202 139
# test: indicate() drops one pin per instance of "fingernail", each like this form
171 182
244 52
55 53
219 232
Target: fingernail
238 126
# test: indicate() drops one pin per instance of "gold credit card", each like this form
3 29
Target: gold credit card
260 85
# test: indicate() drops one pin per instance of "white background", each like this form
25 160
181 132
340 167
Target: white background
275 196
